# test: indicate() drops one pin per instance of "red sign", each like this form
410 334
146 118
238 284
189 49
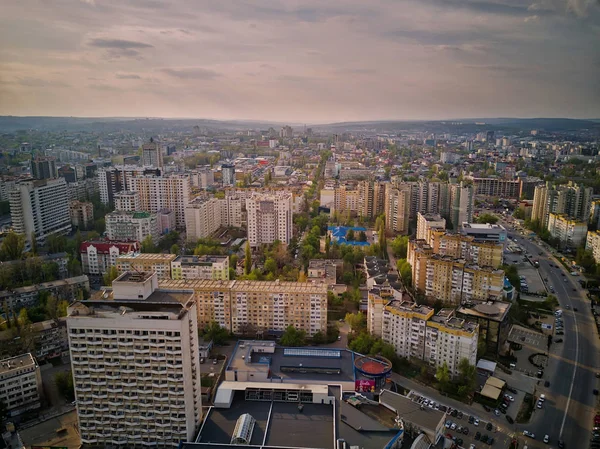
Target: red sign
364 386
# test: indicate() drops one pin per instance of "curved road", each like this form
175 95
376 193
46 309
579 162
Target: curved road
570 406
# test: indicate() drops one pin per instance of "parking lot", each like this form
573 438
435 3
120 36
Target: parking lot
467 429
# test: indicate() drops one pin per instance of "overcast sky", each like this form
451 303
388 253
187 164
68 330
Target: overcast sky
300 61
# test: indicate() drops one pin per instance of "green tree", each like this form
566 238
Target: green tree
56 243
74 266
52 307
216 333
362 236
400 246
271 266
247 259
487 218
12 246
468 374
50 271
356 321
111 274
34 244
293 337
442 375
148 245
318 338
64 385
327 245
175 249
350 235
363 343
405 271
61 308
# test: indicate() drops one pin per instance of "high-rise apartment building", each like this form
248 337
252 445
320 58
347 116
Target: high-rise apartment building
20 384
572 200
121 225
127 201
461 204
159 263
152 154
164 192
112 180
397 209
136 366
202 218
497 187
425 222
245 307
200 267
269 218
44 168
570 233
592 243
82 214
228 174
40 208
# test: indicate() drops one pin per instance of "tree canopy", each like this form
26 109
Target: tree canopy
293 337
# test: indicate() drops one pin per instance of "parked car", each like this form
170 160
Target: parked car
510 420
527 433
558 340
489 427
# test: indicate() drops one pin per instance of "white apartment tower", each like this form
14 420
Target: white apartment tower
136 366
269 218
164 192
461 204
152 154
40 207
202 218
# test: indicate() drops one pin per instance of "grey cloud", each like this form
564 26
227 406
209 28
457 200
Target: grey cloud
38 82
118 44
192 73
125 76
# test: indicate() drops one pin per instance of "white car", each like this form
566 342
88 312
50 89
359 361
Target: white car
472 446
509 397
476 422
546 439
453 426
497 412
527 433
542 397
539 404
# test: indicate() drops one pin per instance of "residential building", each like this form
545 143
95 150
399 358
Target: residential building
82 190
164 192
112 180
572 200
44 168
200 267
20 384
228 174
166 221
570 233
40 208
82 214
244 307
428 221
202 218
136 365
127 201
98 256
50 339
404 325
68 289
595 214
269 218
493 320
324 271
592 243
231 211
485 232
159 263
123 226
203 177
448 340
497 187
417 255
461 204
152 154
397 209
527 187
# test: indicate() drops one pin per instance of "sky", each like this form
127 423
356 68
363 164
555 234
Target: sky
310 61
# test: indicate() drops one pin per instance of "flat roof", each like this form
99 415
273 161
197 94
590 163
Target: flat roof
148 256
410 411
135 276
20 361
492 310
483 226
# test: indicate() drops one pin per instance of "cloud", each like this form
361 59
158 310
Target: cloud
192 73
125 76
118 44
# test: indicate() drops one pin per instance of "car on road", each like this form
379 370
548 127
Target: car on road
546 439
497 412
489 427
539 404
547 383
574 309
472 446
486 408
558 340
478 436
595 392
527 433
476 423
510 420
560 333
448 424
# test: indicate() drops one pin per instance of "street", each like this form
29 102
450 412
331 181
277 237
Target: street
569 412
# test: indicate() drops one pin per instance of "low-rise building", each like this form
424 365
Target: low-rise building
121 225
324 271
200 267
82 214
97 256
159 263
570 233
485 232
20 384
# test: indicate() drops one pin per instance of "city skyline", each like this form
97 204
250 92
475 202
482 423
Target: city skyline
301 61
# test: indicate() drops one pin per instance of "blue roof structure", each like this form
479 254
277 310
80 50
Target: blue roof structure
338 234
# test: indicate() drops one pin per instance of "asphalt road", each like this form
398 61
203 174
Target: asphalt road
569 410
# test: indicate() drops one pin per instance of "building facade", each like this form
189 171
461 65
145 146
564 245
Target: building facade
136 366
200 267
127 201
44 168
137 226
40 208
20 384
97 257
425 222
152 155
82 214
159 263
269 218
570 233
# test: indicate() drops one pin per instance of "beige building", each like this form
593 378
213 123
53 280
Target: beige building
202 218
404 324
121 225
152 154
164 192
397 209
269 218
136 365
20 384
593 244
159 263
82 214
570 233
127 201
258 306
425 222
200 267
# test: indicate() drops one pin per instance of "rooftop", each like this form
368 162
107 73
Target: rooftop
148 256
409 306
18 362
483 226
199 259
137 277
254 286
493 310
423 417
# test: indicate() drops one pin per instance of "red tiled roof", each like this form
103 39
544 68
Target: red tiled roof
104 246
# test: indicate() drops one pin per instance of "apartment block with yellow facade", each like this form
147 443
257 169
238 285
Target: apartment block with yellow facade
593 244
418 252
147 262
257 306
403 326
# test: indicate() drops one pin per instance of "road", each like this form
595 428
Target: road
569 410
